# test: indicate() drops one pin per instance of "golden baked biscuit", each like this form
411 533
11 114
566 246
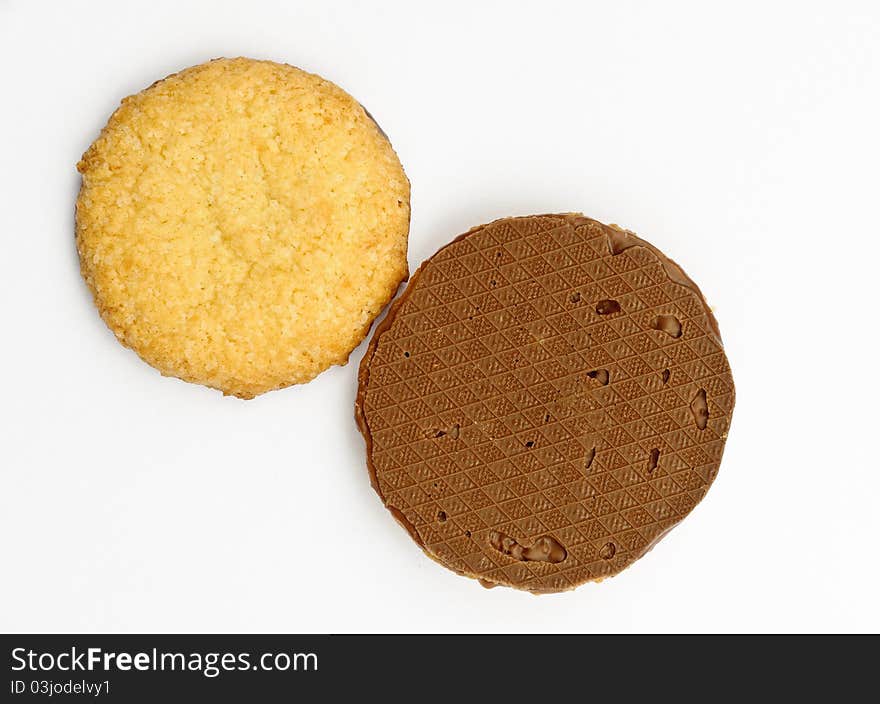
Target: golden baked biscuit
241 223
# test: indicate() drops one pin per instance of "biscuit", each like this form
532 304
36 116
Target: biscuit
545 401
241 223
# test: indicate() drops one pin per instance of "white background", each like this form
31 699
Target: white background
742 141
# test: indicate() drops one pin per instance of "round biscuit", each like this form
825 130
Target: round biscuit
545 401
241 223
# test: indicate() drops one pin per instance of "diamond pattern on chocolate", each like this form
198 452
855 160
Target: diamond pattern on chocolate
495 335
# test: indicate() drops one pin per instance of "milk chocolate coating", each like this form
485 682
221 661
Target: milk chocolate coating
547 398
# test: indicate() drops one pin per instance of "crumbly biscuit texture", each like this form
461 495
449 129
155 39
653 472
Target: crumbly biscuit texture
544 402
241 223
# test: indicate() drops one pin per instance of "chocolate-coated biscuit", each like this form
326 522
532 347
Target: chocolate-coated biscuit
546 400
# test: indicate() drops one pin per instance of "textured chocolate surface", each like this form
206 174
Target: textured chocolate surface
547 398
